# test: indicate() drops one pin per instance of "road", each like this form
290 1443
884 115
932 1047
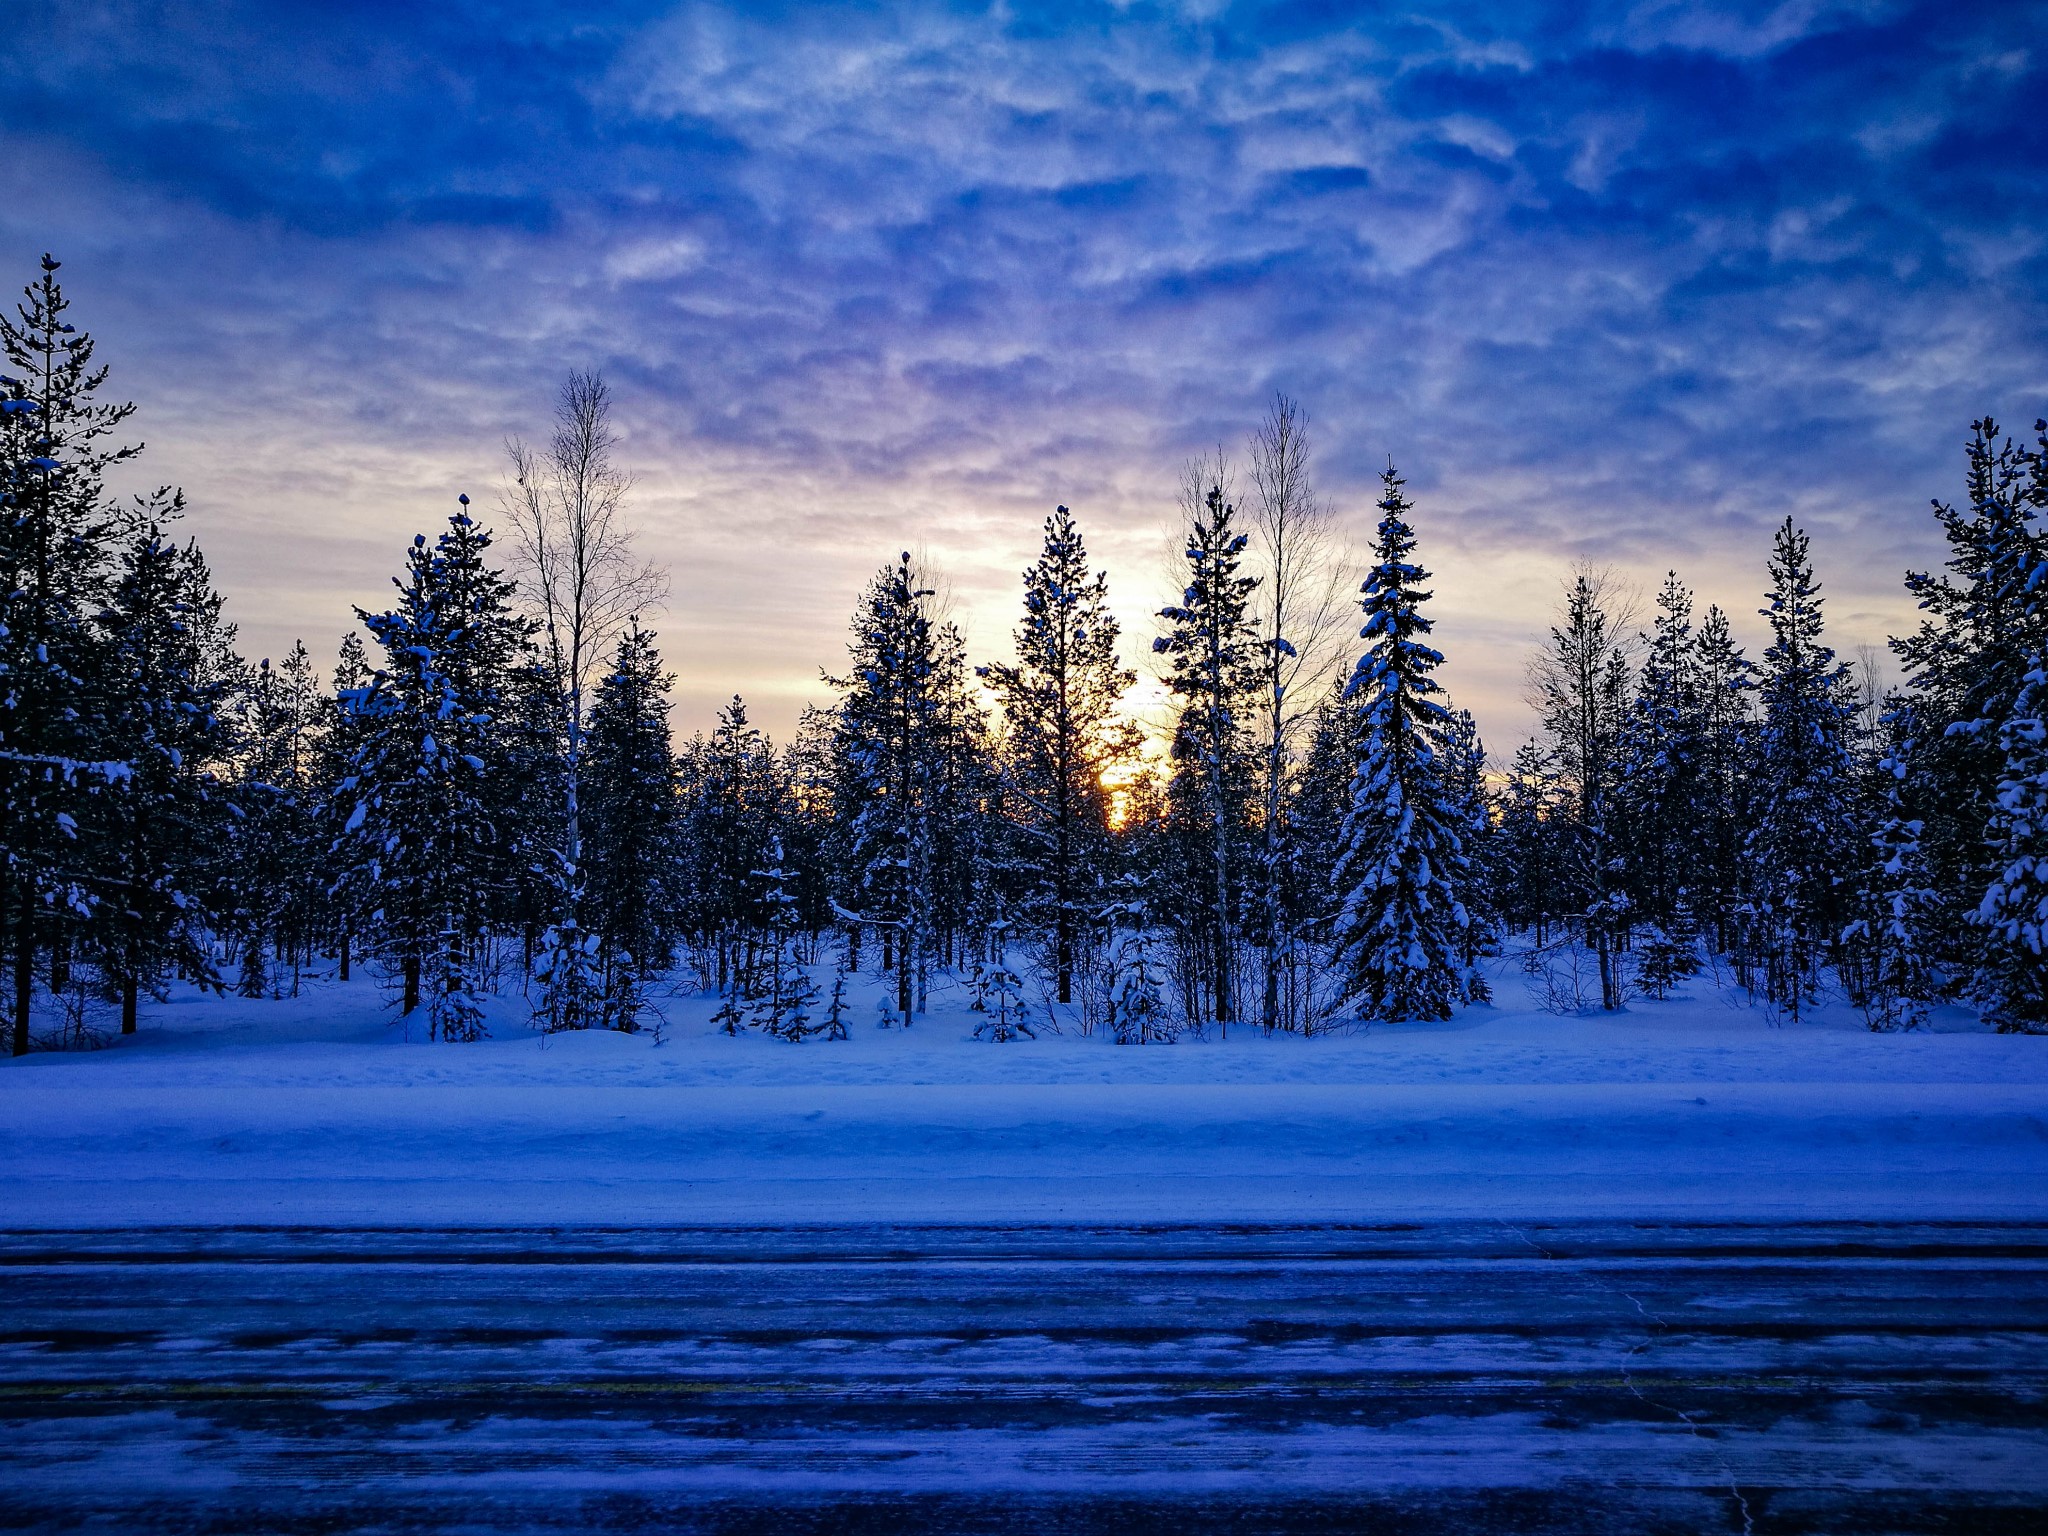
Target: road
1484 1377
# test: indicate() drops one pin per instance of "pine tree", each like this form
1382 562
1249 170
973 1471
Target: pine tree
1582 687
156 837
889 725
632 824
59 541
1400 933
1059 703
1212 651
1799 853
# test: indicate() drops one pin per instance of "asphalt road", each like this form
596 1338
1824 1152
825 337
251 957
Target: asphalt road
1475 1377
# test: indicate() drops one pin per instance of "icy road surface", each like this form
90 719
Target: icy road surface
1483 1377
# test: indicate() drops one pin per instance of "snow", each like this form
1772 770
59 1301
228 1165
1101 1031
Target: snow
318 1110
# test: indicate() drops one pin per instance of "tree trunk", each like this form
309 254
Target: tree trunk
412 984
128 991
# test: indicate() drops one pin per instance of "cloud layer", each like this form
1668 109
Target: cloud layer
1624 283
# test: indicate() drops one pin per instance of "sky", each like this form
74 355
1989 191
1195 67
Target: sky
1618 283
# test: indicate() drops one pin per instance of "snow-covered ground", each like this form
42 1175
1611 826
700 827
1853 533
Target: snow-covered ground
318 1110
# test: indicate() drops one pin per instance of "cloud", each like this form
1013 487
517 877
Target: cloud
1626 283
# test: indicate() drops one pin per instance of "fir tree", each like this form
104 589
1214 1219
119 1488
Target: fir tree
1059 704
1400 934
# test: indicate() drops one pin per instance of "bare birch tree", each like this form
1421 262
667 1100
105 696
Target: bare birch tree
1301 620
578 571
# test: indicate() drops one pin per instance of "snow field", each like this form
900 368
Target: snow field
318 1110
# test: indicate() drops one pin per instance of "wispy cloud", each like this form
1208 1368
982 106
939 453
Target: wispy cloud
1626 283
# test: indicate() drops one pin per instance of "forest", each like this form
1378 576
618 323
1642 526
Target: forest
486 795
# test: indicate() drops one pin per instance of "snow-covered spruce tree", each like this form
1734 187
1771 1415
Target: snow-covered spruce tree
1212 656
967 820
1465 785
1137 1011
343 729
1319 800
59 540
1062 733
157 840
632 825
419 841
733 806
1530 880
1725 684
998 991
1965 668
1803 845
273 853
1582 687
1658 792
1883 965
2011 983
1400 930
889 751
782 995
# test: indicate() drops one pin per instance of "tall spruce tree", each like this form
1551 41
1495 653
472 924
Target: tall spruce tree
420 837
1212 656
1801 850
1966 666
1657 789
1062 733
1401 924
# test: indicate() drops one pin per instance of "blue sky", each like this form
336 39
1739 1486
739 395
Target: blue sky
1618 282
